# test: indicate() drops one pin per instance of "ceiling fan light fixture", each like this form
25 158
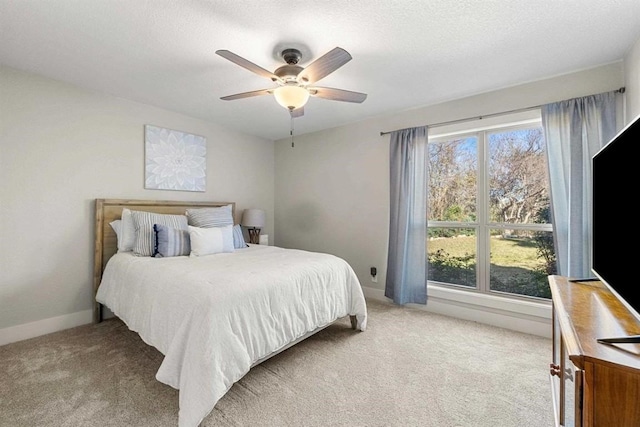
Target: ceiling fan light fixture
291 97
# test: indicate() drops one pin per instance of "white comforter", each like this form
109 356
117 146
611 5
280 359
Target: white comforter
213 317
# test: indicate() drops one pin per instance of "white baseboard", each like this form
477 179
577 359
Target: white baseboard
45 326
525 316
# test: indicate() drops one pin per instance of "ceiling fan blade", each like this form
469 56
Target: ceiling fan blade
236 59
337 94
298 112
323 66
247 94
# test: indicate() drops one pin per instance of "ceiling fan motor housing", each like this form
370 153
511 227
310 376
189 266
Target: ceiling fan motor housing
288 73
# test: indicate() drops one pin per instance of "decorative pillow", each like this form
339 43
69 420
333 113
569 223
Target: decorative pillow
145 236
171 241
238 238
127 234
214 240
210 217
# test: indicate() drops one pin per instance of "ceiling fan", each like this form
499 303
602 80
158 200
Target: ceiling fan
295 83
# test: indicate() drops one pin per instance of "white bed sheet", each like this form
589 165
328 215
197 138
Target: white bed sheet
213 317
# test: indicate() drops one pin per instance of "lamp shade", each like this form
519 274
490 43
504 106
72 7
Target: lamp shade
291 97
253 218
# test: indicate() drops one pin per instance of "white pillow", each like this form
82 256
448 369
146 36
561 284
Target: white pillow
117 227
206 241
127 233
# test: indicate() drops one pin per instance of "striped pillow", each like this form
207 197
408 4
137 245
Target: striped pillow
145 236
171 241
238 238
210 217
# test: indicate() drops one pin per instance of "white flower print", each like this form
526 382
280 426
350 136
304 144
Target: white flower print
174 160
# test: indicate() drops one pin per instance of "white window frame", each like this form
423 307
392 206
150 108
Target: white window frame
482 294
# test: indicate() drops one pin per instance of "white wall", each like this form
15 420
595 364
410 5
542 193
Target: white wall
61 147
632 81
332 188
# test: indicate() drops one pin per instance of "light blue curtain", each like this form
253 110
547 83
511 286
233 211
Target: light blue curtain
574 131
407 263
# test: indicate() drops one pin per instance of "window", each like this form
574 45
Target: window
489 226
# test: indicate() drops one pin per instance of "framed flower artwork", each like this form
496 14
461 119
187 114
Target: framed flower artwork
174 160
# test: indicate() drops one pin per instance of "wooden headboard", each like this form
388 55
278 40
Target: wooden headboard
108 210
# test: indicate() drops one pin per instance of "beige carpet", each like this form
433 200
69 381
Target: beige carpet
410 368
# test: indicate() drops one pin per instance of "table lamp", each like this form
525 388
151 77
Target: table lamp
253 220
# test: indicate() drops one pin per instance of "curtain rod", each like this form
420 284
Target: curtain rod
450 122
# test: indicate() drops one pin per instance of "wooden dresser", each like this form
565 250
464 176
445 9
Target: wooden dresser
593 384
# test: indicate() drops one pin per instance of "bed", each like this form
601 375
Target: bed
214 317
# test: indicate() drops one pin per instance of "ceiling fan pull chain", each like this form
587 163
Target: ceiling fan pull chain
291 131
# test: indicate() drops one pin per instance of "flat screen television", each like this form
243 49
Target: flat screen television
614 257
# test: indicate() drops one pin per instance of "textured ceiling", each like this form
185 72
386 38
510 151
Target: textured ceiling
406 53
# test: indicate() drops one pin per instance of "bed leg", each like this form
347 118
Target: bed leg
354 322
97 312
